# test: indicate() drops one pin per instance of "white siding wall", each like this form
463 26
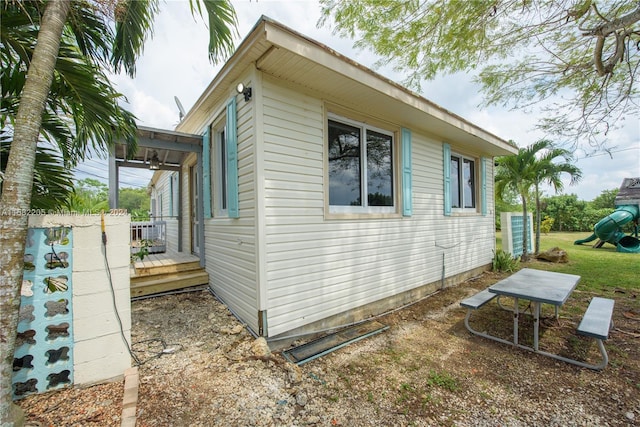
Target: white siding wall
162 186
230 244
319 267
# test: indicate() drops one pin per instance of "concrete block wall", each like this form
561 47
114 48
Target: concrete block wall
99 352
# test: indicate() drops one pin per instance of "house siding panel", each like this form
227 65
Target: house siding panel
163 186
319 267
230 244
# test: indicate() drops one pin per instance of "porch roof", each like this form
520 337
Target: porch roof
171 148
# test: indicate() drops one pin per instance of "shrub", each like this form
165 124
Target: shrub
546 224
504 261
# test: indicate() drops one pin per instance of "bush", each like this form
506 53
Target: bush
504 261
546 224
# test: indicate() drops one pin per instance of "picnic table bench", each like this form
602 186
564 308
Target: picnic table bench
596 321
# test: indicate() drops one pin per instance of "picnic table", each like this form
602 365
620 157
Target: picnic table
544 287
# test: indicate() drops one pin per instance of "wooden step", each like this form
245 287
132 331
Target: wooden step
158 283
174 275
148 270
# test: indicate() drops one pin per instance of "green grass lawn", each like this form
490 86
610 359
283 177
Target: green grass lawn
603 271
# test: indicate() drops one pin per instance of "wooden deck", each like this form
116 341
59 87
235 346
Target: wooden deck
164 272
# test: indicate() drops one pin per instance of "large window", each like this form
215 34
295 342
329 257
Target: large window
361 168
463 182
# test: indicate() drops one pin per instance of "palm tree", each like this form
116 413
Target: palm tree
52 181
81 109
516 173
548 169
531 167
16 191
54 28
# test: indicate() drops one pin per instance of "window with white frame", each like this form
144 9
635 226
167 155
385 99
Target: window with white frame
360 167
174 195
463 182
219 161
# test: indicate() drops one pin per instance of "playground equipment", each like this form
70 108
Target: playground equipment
609 229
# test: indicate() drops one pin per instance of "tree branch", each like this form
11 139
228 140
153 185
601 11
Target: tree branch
613 26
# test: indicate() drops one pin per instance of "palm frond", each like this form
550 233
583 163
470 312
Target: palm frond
52 181
134 23
223 24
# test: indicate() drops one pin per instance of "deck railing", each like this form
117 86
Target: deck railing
151 233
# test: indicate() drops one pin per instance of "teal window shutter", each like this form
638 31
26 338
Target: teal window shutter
483 188
233 208
206 172
446 149
407 207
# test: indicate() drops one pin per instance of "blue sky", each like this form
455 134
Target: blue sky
175 63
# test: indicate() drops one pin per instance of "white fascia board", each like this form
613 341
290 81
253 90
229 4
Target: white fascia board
286 38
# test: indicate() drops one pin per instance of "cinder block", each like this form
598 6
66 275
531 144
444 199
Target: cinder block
88 282
102 348
93 370
97 325
102 302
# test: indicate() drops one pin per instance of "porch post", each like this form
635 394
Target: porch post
200 209
113 179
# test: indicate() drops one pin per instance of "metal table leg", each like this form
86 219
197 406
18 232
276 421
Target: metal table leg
515 321
536 324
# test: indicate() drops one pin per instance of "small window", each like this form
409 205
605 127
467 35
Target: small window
463 182
219 163
160 206
174 195
361 168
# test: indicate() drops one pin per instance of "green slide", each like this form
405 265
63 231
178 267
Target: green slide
609 229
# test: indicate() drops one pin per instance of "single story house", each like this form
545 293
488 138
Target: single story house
323 192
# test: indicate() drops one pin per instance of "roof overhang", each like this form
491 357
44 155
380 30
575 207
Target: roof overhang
171 148
316 69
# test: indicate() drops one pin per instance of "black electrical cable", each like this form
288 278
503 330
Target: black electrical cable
138 362
113 299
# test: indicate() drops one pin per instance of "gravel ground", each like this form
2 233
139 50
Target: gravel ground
200 367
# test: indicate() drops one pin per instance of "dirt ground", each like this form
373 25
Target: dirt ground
200 367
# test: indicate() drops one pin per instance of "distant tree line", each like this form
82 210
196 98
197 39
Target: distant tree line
567 213
91 196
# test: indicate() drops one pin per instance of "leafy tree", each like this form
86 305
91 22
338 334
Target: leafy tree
566 211
548 170
588 218
606 199
526 52
507 202
136 201
57 29
90 196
